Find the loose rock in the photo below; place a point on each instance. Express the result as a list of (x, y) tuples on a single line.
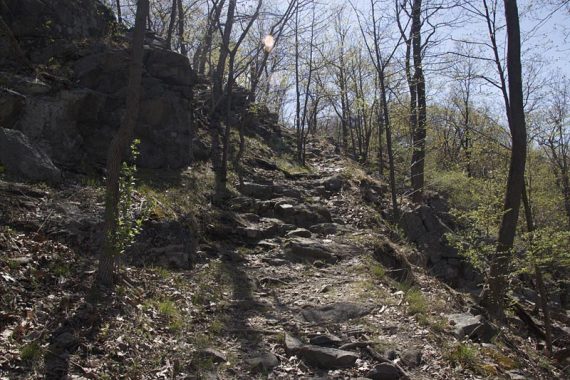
[(338, 312), (327, 358), (305, 249), (385, 371)]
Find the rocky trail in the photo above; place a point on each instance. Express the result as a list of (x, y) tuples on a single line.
[(309, 296), (298, 275)]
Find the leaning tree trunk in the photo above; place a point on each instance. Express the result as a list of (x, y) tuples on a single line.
[(119, 145), (499, 268)]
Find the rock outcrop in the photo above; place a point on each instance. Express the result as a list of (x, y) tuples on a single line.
[(426, 226), (22, 159)]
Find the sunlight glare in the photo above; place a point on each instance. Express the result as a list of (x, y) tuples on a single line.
[(268, 43)]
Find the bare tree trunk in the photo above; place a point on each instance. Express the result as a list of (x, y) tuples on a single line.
[(419, 133), (171, 24), (380, 151), (222, 174), (541, 287), (205, 48), (275, 31), (393, 193), (183, 50), (499, 269), (119, 17), (119, 145), (303, 134), (297, 86)]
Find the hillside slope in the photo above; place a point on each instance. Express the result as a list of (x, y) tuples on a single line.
[(297, 266)]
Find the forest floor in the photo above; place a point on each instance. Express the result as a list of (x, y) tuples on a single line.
[(287, 284)]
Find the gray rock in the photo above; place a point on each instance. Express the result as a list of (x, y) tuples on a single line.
[(324, 228), (263, 363), (212, 354), (411, 358), (472, 326), (21, 158), (292, 345), (337, 312), (200, 150), (288, 192), (257, 190), (304, 249), (333, 184), (11, 105), (169, 66), (385, 371), (264, 164), (327, 358), (390, 257), (275, 261), (71, 21), (66, 341), (302, 215), (173, 256), (516, 375), (299, 232), (325, 340), (265, 228)]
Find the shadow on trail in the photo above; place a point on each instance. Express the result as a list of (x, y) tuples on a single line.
[(74, 332), (251, 338)]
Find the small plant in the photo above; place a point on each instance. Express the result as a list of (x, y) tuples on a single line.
[(462, 354), (31, 353), (217, 326), (163, 272), (168, 308), (378, 271), (416, 302), (129, 221)]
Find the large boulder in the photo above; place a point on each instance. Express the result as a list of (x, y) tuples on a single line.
[(474, 327), (54, 29), (426, 226), (75, 125), (21, 158)]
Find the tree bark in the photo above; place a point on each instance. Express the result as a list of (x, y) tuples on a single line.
[(419, 133), (172, 23), (183, 50), (540, 286), (119, 17), (119, 145), (499, 269)]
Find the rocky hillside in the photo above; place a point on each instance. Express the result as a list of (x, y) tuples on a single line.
[(299, 275)]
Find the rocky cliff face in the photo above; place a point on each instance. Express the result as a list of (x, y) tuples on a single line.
[(72, 105)]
